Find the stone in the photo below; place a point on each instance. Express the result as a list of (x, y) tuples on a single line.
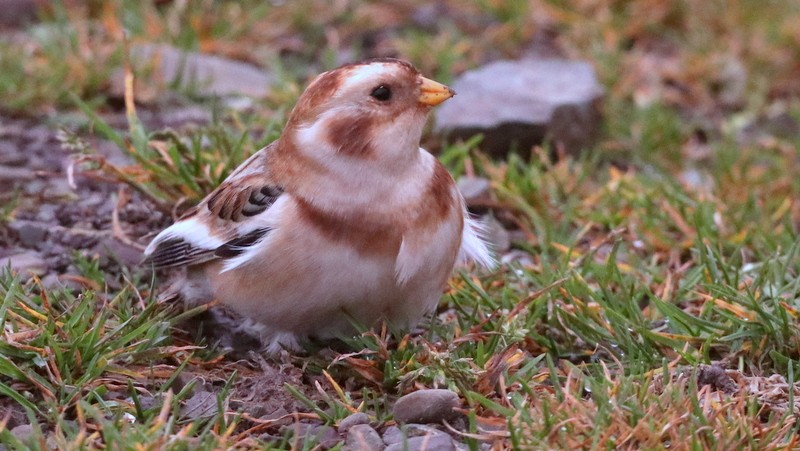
[(202, 404), (119, 251), (776, 123), (476, 191), (433, 442), (520, 104), (426, 406), (18, 13), (361, 437), (199, 383), (206, 75), (22, 432), (16, 174), (25, 264), (47, 213), (498, 237), (29, 233), (429, 16), (147, 402), (394, 434), (353, 420), (279, 416), (318, 434), (11, 155)]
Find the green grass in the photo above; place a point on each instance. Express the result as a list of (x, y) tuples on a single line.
[(175, 169), (672, 245), (64, 352)]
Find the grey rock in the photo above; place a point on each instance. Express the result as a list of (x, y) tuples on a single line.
[(437, 442), (394, 434), (22, 432), (15, 173), (147, 402), (198, 383), (426, 406), (18, 13), (477, 191), (209, 75), (178, 117), (498, 237), (112, 153), (59, 188), (523, 103), (33, 187), (29, 233), (777, 123), (11, 155), (51, 282), (353, 420), (64, 281), (25, 264), (202, 404), (429, 16), (362, 437), (278, 415), (12, 129), (324, 436), (327, 436), (46, 213), (517, 256), (120, 251)]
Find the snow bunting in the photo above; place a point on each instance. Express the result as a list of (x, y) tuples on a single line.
[(343, 220)]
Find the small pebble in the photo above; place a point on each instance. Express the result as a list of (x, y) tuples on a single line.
[(362, 437), (22, 432), (394, 434), (202, 404), (30, 233), (318, 434), (475, 190), (433, 442), (26, 263), (426, 406), (352, 420)]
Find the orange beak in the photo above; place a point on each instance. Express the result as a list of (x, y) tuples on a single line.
[(432, 93)]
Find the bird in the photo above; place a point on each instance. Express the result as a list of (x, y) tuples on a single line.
[(343, 221)]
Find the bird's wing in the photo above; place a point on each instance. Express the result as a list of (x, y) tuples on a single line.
[(234, 217)]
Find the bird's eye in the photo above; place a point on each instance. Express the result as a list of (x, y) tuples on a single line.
[(382, 93)]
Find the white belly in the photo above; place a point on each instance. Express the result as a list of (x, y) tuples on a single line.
[(313, 287)]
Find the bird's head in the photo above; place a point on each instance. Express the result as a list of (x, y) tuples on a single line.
[(373, 110)]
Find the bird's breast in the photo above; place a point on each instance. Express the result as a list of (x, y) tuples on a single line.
[(367, 235)]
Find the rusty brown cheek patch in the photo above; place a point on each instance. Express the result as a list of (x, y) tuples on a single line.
[(368, 239), (352, 135)]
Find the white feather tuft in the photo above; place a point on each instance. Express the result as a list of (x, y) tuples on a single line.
[(474, 246), (191, 230), (247, 255)]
